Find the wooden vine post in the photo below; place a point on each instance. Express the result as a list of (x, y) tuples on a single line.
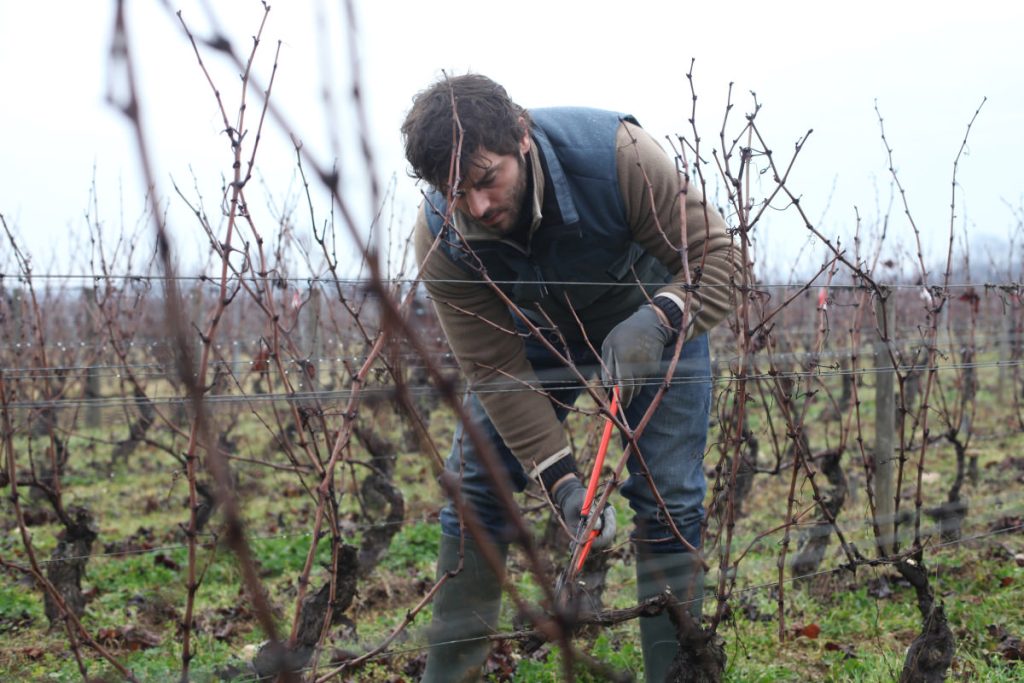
[(885, 424)]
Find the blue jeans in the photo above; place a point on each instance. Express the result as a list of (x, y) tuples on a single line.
[(672, 446)]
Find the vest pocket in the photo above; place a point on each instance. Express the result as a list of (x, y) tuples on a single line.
[(622, 267), (589, 270)]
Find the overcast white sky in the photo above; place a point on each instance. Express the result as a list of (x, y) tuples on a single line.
[(813, 65)]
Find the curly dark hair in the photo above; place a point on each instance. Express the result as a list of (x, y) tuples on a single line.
[(489, 120)]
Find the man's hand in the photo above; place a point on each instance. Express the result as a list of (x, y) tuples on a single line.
[(632, 352), (568, 496)]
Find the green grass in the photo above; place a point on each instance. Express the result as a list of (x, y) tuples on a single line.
[(614, 647), (415, 546), (862, 637)]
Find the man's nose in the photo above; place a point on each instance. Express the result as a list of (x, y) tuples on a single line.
[(477, 203)]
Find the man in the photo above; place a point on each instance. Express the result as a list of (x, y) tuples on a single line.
[(567, 222)]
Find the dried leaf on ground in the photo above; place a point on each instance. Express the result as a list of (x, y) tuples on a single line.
[(849, 652), (1011, 649), (811, 631)]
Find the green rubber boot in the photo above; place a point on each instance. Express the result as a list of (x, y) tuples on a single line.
[(465, 611), (681, 573)]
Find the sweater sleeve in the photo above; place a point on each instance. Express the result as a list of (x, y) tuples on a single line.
[(481, 333), (651, 189)]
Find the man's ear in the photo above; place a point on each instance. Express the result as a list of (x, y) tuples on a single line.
[(524, 143)]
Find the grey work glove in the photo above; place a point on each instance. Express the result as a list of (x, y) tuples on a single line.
[(568, 496), (632, 353)]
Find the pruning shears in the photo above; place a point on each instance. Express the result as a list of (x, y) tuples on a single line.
[(583, 549), (595, 475)]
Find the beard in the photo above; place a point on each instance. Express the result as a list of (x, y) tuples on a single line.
[(505, 217)]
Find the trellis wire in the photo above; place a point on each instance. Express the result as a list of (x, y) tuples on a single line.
[(501, 388)]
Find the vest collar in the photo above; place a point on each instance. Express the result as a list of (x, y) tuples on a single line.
[(556, 176)]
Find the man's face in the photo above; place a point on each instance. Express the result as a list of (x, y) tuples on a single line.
[(494, 187)]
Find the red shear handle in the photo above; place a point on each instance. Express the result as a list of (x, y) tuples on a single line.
[(595, 476)]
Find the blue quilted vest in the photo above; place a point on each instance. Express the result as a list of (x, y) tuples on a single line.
[(589, 264)]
